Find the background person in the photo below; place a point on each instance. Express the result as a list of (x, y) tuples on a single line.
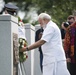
[(10, 9), (22, 43), (38, 36), (70, 47), (65, 25), (70, 20)]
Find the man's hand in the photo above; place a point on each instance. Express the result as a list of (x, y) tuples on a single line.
[(68, 60), (23, 49)]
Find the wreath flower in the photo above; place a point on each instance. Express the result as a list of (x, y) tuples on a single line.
[(22, 55), (22, 42)]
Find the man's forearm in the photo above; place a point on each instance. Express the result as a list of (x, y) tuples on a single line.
[(36, 44)]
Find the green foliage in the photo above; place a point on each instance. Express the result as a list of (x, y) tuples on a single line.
[(58, 9), (35, 23)]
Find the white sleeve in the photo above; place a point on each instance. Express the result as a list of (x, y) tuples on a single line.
[(21, 33), (48, 34)]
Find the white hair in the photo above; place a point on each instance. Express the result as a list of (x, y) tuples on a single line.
[(44, 16)]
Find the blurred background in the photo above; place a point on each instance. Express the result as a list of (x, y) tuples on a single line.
[(29, 9)]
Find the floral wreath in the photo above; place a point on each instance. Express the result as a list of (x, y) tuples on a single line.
[(22, 55), (22, 43)]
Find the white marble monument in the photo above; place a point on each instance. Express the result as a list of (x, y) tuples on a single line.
[(8, 39)]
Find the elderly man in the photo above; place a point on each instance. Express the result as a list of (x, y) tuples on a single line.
[(54, 61)]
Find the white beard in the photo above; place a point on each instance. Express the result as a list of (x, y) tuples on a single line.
[(44, 26)]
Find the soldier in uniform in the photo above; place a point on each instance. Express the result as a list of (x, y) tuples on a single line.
[(10, 9)]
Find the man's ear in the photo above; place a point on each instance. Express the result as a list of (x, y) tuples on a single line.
[(44, 19)]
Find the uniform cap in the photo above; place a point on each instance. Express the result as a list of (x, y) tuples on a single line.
[(10, 6)]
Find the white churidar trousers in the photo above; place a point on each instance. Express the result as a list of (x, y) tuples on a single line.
[(56, 68)]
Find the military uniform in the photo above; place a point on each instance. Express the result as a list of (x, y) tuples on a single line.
[(11, 9)]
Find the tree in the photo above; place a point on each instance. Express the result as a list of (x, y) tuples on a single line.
[(58, 9)]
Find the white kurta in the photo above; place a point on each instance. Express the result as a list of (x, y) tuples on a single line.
[(21, 32), (53, 51)]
